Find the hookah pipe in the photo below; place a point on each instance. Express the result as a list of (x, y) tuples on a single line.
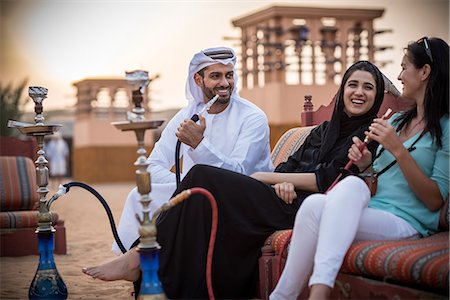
[(194, 118), (347, 167), (63, 189)]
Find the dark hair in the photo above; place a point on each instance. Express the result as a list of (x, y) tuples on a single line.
[(437, 90), (363, 65), (202, 72)]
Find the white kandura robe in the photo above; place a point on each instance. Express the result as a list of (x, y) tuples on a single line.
[(236, 139)]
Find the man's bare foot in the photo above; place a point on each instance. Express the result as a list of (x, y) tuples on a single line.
[(125, 267)]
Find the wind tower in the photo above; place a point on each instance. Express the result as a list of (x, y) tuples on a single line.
[(288, 52)]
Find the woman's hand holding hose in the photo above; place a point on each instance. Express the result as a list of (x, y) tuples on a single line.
[(383, 132), (361, 158), (358, 152)]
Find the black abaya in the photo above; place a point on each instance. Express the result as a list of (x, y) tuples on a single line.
[(249, 211)]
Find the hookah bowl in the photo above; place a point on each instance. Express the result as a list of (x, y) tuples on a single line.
[(47, 283), (148, 248)]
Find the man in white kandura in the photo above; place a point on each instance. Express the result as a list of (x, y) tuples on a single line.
[(233, 134)]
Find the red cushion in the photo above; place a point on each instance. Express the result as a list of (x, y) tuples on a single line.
[(18, 189)]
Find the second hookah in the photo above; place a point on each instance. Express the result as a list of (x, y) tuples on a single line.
[(148, 247)]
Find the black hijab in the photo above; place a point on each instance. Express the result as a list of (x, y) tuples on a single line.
[(325, 149), (342, 125)]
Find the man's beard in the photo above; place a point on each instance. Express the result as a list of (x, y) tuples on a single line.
[(209, 94)]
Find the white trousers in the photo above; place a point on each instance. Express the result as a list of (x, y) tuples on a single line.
[(324, 229)]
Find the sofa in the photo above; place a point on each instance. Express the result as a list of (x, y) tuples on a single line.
[(408, 269), (19, 204)]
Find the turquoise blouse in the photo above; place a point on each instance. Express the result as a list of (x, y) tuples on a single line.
[(393, 193)]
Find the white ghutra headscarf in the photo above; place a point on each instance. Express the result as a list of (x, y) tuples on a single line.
[(203, 59)]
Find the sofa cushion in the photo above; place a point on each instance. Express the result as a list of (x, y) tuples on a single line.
[(18, 189), (22, 219), (289, 142), (420, 262), (423, 262)]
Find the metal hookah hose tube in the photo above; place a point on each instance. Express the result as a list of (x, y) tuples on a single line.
[(67, 187), (194, 118)]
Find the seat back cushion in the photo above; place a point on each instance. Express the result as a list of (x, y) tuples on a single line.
[(11, 220), (289, 142), (18, 188)]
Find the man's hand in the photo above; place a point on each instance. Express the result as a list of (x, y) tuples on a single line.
[(191, 133), (285, 191)]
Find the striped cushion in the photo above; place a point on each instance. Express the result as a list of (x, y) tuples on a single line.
[(289, 142), (18, 189), (22, 219), (422, 262)]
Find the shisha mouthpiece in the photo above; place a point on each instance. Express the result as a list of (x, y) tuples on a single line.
[(208, 105), (386, 116)]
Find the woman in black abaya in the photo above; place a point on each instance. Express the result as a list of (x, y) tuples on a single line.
[(250, 209)]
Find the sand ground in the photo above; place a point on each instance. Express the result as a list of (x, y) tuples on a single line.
[(89, 241)]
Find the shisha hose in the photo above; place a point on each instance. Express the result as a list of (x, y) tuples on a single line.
[(214, 218), (66, 187), (361, 147), (177, 155), (194, 118)]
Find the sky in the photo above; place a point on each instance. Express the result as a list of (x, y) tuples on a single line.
[(54, 43)]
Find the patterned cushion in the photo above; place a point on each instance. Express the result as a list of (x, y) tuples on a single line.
[(17, 184), (22, 219), (421, 262), (289, 142)]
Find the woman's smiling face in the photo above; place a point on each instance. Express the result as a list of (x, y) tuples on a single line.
[(359, 93)]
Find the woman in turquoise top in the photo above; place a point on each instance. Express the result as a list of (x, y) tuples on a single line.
[(413, 160)]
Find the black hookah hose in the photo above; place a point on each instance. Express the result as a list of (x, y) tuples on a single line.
[(105, 205), (177, 155)]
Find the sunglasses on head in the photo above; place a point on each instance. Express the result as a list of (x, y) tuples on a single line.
[(426, 44)]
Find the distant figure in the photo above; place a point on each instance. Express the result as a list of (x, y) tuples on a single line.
[(57, 153)]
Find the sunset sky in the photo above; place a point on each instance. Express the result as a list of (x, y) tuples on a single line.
[(55, 43)]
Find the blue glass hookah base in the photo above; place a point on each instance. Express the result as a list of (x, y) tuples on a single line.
[(149, 259), (47, 283)]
